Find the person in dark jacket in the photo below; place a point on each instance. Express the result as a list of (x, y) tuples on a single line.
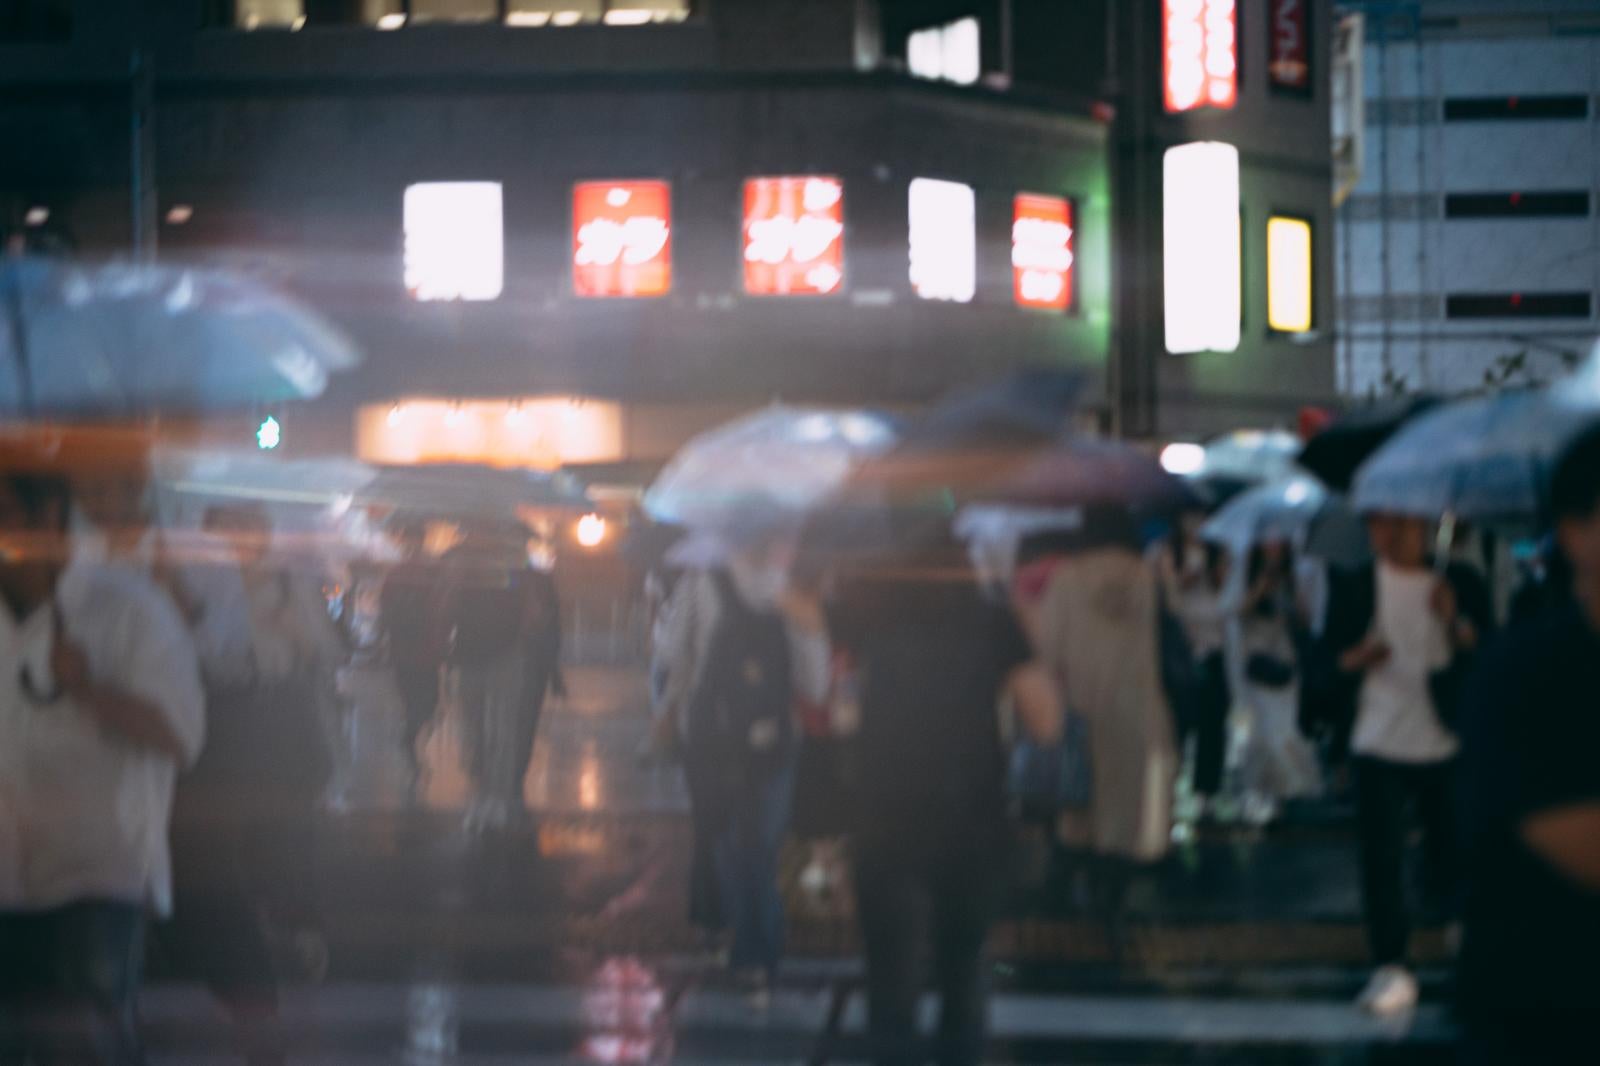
[(935, 655), (1399, 637), (1529, 984), (409, 614)]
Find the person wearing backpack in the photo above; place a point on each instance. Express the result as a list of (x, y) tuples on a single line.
[(740, 663)]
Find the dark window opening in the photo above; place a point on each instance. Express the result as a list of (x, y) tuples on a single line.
[(1478, 108), (35, 21), (1517, 205), (1518, 305)]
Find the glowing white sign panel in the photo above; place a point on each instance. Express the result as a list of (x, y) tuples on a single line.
[(1200, 247), (454, 241), (944, 242), (952, 52)]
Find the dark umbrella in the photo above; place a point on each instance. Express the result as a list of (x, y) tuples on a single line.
[(908, 496), (1335, 453), (1095, 473)]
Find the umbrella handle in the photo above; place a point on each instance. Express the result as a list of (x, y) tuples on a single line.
[(1444, 542)]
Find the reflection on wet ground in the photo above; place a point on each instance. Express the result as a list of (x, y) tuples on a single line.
[(563, 937)]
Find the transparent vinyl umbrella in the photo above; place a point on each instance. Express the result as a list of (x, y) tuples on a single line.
[(128, 339)]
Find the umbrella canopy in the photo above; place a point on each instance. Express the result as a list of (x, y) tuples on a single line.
[(1025, 407), (469, 491), (764, 471), (1245, 457), (1338, 451), (1298, 510), (127, 339), (1095, 473), (1485, 459)]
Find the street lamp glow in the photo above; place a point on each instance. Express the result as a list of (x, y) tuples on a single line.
[(1183, 458), (591, 531), (1200, 247)]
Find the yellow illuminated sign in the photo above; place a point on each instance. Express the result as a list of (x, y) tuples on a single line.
[(1289, 275)]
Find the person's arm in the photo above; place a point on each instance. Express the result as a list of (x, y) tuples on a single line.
[(1037, 700), (158, 703), (1568, 838)]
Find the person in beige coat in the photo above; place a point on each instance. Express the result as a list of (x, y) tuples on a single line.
[(1096, 629)]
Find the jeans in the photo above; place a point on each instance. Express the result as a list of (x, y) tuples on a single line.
[(69, 979), (1385, 792), (963, 890), (744, 852)]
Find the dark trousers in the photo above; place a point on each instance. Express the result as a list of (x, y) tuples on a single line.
[(1208, 723), (1385, 794), (960, 892), (419, 695), (744, 853), (69, 980)]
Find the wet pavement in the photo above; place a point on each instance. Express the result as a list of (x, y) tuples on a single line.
[(564, 936)]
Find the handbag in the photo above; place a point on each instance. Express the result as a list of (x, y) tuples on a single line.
[(1268, 670), (1047, 781)]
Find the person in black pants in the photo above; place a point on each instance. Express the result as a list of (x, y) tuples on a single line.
[(1399, 637), (928, 820), (409, 614)]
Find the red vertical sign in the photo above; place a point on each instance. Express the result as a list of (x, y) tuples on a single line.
[(1042, 251), (1200, 62), (622, 238), (1290, 67), (793, 236)]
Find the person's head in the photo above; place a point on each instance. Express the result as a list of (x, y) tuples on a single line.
[(114, 498), (34, 509), (1575, 506), (246, 528), (1399, 540)]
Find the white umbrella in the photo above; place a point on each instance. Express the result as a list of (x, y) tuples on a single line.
[(1251, 456), (764, 471)]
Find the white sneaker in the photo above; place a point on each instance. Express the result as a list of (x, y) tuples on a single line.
[(1392, 991)]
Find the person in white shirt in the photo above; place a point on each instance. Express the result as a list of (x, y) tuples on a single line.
[(1401, 633), (100, 707)]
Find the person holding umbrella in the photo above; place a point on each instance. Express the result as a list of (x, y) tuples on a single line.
[(1399, 636)]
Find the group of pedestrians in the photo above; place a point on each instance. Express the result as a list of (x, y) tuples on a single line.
[(163, 745), (1389, 676)]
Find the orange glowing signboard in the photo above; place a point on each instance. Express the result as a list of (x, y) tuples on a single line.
[(622, 238), (793, 236), (1042, 251), (1199, 45)]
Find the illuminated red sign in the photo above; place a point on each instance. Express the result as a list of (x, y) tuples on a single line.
[(793, 236), (1041, 251), (622, 238), (1200, 53), (1291, 46)]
